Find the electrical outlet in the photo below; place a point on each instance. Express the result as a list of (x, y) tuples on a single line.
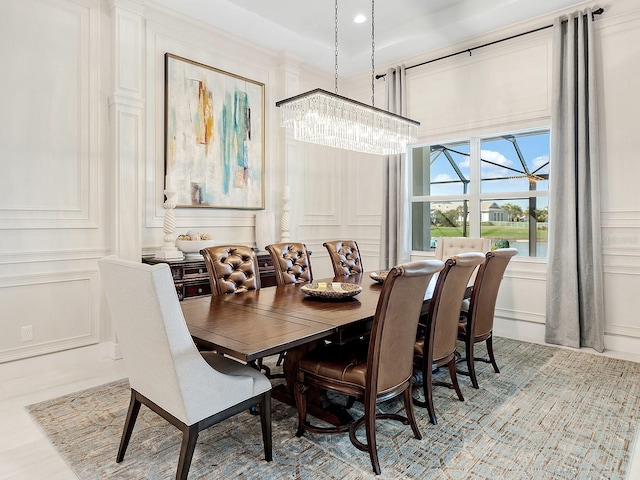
[(27, 333)]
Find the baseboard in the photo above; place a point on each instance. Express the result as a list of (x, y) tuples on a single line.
[(112, 350), (615, 345)]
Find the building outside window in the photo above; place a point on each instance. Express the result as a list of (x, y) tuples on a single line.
[(495, 187)]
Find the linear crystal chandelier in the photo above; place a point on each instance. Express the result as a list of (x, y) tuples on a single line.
[(325, 118)]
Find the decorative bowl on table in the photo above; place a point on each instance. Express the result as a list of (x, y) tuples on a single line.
[(379, 276), (191, 244), (331, 290)]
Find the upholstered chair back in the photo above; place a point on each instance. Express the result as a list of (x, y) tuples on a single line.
[(161, 359), (447, 247), (345, 257), (485, 290), (232, 268), (291, 262), (395, 323), (444, 309)]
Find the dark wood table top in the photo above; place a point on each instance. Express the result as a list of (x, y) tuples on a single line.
[(271, 320)]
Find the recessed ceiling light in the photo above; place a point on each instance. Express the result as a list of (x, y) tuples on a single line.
[(360, 19)]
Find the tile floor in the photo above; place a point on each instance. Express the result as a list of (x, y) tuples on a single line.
[(25, 454)]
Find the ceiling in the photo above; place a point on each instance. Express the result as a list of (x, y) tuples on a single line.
[(403, 28)]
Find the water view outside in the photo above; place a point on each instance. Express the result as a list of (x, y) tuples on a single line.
[(508, 200)]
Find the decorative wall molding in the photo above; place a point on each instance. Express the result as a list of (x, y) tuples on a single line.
[(522, 100), (520, 315), (77, 293), (611, 268), (17, 258), (67, 138), (620, 218), (622, 330)]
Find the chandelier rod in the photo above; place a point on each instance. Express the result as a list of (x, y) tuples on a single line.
[(373, 54), (336, 54)]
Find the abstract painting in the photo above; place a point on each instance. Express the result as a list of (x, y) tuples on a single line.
[(214, 136)]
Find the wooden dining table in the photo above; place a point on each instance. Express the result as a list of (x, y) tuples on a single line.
[(259, 323)]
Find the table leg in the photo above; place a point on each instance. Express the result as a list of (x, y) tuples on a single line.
[(318, 404)]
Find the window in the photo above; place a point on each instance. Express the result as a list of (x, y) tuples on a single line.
[(495, 187)]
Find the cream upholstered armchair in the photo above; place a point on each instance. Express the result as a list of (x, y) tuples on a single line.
[(447, 247), (192, 391), (345, 257)]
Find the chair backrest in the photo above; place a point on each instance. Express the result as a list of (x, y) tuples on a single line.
[(291, 262), (161, 359), (393, 334), (345, 257), (485, 290), (232, 268), (447, 247), (444, 309)]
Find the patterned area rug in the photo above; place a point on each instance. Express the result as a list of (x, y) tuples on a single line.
[(550, 414)]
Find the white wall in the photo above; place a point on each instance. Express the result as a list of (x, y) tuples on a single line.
[(81, 150), (53, 220), (508, 87)]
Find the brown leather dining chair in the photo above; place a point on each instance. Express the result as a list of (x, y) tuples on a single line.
[(373, 371), (291, 262), (232, 268), (437, 347), (345, 257), (476, 324)]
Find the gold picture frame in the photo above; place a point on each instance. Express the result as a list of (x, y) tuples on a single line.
[(214, 136)]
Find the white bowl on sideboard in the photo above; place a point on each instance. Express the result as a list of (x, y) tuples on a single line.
[(191, 248)]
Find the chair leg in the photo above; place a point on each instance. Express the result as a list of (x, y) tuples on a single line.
[(408, 407), (454, 378), (189, 439), (372, 446), (132, 415), (491, 356), (265, 421), (471, 364), (300, 391), (427, 387)]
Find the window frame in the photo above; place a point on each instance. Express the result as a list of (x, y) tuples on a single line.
[(474, 196)]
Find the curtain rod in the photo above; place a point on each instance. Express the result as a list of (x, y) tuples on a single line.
[(599, 11)]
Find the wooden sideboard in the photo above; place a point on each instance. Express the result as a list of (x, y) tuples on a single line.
[(192, 279)]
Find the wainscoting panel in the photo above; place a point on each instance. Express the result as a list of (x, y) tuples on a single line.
[(317, 199), (499, 86), (49, 121), (61, 310), (363, 189), (620, 44)]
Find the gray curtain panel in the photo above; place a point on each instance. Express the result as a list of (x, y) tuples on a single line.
[(394, 228), (575, 307)]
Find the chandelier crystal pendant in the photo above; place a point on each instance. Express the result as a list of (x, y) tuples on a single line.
[(329, 119)]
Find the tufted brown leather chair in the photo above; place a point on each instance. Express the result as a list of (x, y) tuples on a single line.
[(345, 257), (377, 370), (437, 347), (232, 268), (291, 262), (476, 324)]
